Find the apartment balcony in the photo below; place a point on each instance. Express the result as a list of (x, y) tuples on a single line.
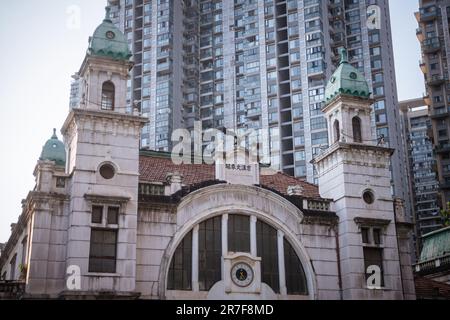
[(420, 35), (431, 45), (443, 148), (438, 114), (423, 67), (427, 14), (444, 185), (253, 113), (437, 80)]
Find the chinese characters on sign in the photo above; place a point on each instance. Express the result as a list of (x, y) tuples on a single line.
[(239, 167)]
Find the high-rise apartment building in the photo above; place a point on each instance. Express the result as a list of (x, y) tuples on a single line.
[(422, 163), (258, 64), (434, 34)]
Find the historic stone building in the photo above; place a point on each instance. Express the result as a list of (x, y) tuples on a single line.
[(108, 220)]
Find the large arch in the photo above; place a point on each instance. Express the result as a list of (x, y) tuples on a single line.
[(265, 205)]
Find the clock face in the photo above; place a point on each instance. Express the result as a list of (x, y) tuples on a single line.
[(110, 35), (242, 274)]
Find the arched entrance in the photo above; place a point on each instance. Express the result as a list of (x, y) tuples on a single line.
[(238, 253)]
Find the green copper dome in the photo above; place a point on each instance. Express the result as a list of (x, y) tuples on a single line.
[(109, 41), (54, 150), (346, 80)]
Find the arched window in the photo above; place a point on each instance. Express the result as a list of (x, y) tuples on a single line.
[(238, 240), (337, 131), (108, 93), (356, 124)]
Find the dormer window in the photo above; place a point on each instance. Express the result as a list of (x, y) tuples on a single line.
[(108, 93)]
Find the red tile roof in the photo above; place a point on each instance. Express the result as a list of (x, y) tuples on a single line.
[(155, 166)]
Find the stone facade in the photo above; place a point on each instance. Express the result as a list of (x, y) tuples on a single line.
[(116, 222)]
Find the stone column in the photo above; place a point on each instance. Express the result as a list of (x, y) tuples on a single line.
[(253, 236), (281, 269), (224, 240), (195, 286)]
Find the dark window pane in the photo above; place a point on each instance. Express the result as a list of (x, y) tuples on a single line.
[(356, 123), (180, 271), (377, 236), (295, 275), (373, 256), (365, 235), (238, 233), (102, 253), (267, 250), (210, 253), (107, 171), (97, 213), (113, 215)]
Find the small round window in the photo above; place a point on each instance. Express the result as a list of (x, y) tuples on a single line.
[(353, 75), (368, 197), (107, 171)]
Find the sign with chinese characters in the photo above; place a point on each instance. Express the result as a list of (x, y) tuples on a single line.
[(237, 168)]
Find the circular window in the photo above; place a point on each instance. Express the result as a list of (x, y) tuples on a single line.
[(353, 75), (107, 171), (110, 35), (368, 197), (333, 80)]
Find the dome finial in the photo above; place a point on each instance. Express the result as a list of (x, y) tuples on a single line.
[(344, 55), (107, 14), (54, 134)]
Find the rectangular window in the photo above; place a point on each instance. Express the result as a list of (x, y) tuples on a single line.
[(102, 253), (376, 236), (180, 272), (97, 214), (373, 256), (266, 243), (365, 235), (210, 253), (24, 250), (12, 266), (113, 215), (238, 233)]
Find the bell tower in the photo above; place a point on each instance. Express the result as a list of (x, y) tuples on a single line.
[(102, 138), (354, 172)]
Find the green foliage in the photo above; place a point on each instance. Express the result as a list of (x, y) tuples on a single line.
[(445, 213)]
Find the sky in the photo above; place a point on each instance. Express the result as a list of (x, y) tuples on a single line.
[(44, 43)]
